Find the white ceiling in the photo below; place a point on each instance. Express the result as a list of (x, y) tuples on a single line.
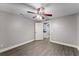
[(57, 9)]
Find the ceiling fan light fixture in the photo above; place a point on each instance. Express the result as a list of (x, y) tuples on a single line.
[(39, 17), (40, 14)]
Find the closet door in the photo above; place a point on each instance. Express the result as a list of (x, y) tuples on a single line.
[(39, 31)]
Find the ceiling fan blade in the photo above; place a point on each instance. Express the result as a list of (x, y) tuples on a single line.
[(48, 14), (31, 12)]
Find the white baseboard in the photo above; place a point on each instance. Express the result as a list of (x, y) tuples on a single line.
[(9, 48), (74, 46)]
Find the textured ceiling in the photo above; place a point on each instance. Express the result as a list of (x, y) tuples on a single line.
[(57, 9)]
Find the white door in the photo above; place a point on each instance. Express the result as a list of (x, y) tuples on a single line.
[(39, 31)]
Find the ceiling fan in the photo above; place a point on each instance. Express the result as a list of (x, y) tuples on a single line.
[(40, 13)]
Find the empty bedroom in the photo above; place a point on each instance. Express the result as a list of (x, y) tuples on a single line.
[(39, 29)]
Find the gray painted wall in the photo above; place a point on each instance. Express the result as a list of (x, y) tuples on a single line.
[(78, 29), (64, 29), (15, 29)]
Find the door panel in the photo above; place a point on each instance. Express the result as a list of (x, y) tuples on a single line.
[(39, 31)]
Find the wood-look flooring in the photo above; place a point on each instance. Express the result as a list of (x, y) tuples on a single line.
[(42, 48)]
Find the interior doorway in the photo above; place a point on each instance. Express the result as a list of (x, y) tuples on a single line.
[(42, 31), (46, 30)]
